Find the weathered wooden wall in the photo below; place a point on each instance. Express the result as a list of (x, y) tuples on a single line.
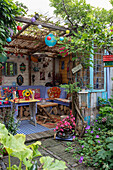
[(64, 71)]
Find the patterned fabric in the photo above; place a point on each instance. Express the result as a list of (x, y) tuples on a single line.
[(20, 94), (54, 92), (37, 93)]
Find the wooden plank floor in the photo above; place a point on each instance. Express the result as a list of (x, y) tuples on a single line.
[(40, 135)]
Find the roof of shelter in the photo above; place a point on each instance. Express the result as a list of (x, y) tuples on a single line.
[(30, 40)]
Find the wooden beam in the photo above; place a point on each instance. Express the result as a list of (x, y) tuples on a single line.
[(28, 21)]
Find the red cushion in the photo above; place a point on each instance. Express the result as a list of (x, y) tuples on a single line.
[(20, 94), (37, 93), (54, 92)]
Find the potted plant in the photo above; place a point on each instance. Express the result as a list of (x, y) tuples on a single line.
[(66, 127)]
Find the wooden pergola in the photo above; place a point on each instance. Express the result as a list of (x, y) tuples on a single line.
[(30, 40)]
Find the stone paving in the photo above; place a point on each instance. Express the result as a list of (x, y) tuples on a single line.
[(56, 149)]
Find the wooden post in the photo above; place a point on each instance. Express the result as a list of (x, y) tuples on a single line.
[(29, 69), (53, 71)]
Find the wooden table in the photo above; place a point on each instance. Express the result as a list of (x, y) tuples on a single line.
[(32, 107), (45, 114)]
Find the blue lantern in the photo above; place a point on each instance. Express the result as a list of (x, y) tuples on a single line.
[(61, 38), (51, 42), (8, 39), (3, 58)]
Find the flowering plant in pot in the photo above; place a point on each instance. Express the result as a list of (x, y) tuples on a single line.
[(66, 127)]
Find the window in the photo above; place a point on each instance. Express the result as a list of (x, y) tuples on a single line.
[(10, 69), (98, 70)]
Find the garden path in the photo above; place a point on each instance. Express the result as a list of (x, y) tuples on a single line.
[(53, 148)]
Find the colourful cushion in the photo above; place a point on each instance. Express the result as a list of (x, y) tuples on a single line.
[(54, 92), (37, 93), (20, 94)]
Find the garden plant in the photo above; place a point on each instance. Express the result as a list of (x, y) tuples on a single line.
[(15, 147), (96, 146)]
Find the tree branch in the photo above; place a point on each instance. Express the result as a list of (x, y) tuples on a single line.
[(67, 13)]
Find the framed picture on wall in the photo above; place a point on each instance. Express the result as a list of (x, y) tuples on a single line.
[(42, 75)]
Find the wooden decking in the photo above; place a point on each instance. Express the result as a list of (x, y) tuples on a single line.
[(40, 135)]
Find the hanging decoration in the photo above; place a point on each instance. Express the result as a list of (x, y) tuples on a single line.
[(42, 75), (8, 39), (51, 42), (63, 51), (20, 80), (22, 67), (39, 26), (11, 32), (67, 31), (3, 58), (33, 19), (19, 27), (61, 38)]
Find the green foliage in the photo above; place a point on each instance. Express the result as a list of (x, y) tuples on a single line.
[(70, 88), (96, 147), (15, 146), (10, 123), (88, 26), (8, 11)]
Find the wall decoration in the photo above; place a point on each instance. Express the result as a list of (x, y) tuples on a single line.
[(42, 75), (22, 67), (33, 78), (49, 74), (20, 80), (62, 65), (39, 59)]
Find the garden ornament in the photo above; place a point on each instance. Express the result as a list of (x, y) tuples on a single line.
[(8, 39), (19, 27), (51, 42)]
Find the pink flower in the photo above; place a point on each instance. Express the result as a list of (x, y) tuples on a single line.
[(54, 130), (61, 130), (56, 127), (70, 127), (67, 117)]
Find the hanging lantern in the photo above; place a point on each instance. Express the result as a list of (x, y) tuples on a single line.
[(48, 38), (61, 38), (33, 19), (8, 39), (51, 42), (39, 26), (67, 31), (22, 67), (3, 58), (11, 32), (19, 27)]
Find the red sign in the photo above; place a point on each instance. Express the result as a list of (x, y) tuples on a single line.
[(108, 58)]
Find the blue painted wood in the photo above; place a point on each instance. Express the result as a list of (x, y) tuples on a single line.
[(104, 95), (91, 72), (108, 81), (62, 103), (89, 100)]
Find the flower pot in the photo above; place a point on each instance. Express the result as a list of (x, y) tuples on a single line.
[(67, 133)]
